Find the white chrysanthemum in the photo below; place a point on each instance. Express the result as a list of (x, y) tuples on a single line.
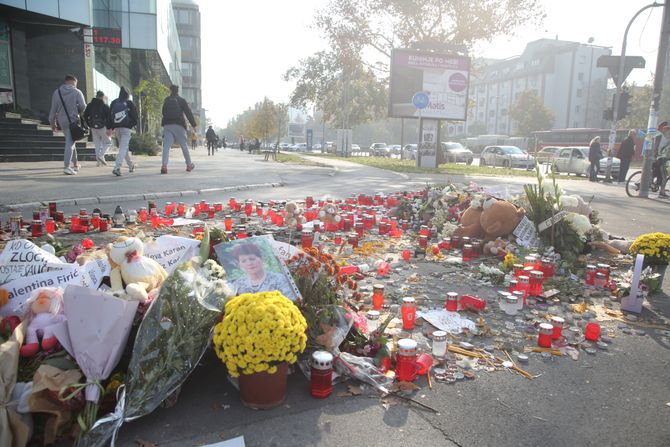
[(579, 223)]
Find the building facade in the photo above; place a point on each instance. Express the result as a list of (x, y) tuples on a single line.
[(563, 74), (105, 43), (187, 17)]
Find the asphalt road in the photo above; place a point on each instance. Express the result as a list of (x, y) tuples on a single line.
[(619, 397)]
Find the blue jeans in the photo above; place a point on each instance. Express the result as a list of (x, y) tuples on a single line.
[(70, 153)]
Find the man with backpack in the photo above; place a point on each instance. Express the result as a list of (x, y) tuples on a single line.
[(123, 118), (97, 115), (211, 137), (174, 127), (67, 102)]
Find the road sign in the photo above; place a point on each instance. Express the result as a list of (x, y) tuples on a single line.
[(420, 100), (612, 64)]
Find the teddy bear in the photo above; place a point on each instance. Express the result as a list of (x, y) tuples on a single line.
[(139, 273), (328, 214), (293, 214), (44, 309), (489, 220), (470, 222)]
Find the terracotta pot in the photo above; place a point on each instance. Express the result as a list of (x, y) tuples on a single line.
[(262, 391)]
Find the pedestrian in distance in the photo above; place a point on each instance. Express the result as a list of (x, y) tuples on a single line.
[(67, 102), (194, 139), (242, 143), (662, 150), (211, 138), (626, 152), (97, 115), (174, 127), (123, 118), (594, 157), (224, 144)]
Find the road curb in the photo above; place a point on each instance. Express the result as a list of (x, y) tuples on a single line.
[(29, 206)]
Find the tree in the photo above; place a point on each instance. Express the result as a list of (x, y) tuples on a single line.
[(152, 93), (530, 114)]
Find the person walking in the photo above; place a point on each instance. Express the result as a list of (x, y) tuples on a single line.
[(662, 149), (97, 115), (67, 102), (123, 118), (210, 135), (594, 157), (242, 143), (194, 139), (224, 144), (174, 127), (626, 152)]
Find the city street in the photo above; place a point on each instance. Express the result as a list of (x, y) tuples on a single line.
[(619, 397)]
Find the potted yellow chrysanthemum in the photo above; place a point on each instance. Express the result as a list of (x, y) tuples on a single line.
[(654, 246), (259, 336)]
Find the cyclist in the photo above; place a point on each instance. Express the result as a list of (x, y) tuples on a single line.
[(662, 150)]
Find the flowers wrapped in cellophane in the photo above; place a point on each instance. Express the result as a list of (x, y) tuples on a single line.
[(170, 341)]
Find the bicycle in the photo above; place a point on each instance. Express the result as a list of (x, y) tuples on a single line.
[(635, 179)]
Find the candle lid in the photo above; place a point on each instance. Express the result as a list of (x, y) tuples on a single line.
[(372, 315), (322, 360), (546, 327), (439, 336), (378, 286), (408, 300), (406, 344), (603, 266), (590, 267), (536, 274), (511, 299), (523, 279)]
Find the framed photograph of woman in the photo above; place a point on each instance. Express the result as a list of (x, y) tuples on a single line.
[(252, 267)]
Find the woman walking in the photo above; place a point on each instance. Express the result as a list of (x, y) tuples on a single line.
[(594, 157)]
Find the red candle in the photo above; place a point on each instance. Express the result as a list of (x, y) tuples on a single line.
[(360, 228), (50, 225), (605, 270), (52, 209), (456, 242), (535, 283), (74, 220), (590, 275), (423, 241), (95, 221), (36, 228), (406, 254), (337, 240), (548, 268), (408, 311), (524, 286), (445, 244), (210, 212), (451, 303), (545, 335), (143, 215), (248, 208), (228, 222), (424, 231), (104, 224), (218, 207), (306, 239), (513, 285), (405, 369), (467, 252), (168, 208), (377, 296), (353, 240), (557, 323), (60, 216), (232, 203), (309, 201), (321, 374)]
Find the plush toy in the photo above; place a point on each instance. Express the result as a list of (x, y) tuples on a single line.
[(130, 266), (499, 218), (44, 309), (470, 223), (293, 214), (328, 214)]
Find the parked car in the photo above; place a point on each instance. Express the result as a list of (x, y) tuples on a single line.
[(506, 156), (355, 148), (547, 154), (379, 150), (409, 152), (457, 153), (394, 149), (575, 160), (300, 147), (316, 147), (285, 147)]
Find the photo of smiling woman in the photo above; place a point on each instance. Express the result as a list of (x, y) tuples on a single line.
[(257, 277)]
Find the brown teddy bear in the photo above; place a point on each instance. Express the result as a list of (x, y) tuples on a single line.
[(470, 224), (499, 218)]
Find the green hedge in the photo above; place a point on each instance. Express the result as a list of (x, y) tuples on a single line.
[(144, 144)]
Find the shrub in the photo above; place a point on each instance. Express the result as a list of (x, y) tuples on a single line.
[(144, 144)]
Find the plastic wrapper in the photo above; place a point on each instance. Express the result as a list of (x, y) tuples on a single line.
[(363, 369), (170, 341), (13, 431)]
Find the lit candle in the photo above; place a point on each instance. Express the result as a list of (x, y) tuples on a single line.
[(321, 374), (408, 311), (405, 369), (439, 344), (545, 335), (373, 320)]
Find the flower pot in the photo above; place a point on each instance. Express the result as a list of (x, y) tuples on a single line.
[(261, 391)]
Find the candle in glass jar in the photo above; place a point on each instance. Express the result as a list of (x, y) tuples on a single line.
[(36, 228), (406, 370), (306, 239), (513, 285), (446, 243), (423, 241), (439, 344), (83, 220), (60, 216), (321, 374), (168, 208), (104, 224), (248, 207), (408, 312), (557, 323), (511, 305), (535, 283), (600, 280), (521, 300), (373, 320), (180, 209), (524, 286), (359, 227), (547, 268), (406, 254), (338, 239), (467, 252), (210, 212), (95, 220), (52, 209), (529, 261), (228, 222), (451, 303), (143, 215), (352, 240), (232, 203), (544, 335), (605, 270), (377, 296), (424, 231), (50, 225), (477, 250), (590, 275)]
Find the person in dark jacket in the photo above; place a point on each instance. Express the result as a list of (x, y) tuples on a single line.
[(97, 115), (210, 135), (174, 127), (123, 117), (594, 157), (626, 154)]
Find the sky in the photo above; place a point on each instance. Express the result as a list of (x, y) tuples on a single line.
[(248, 45)]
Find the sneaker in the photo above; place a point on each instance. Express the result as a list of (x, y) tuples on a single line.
[(117, 172), (163, 169), (101, 161), (132, 167), (76, 167), (190, 167), (69, 171)]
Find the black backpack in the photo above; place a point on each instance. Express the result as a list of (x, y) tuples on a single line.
[(172, 110), (97, 120), (120, 114)]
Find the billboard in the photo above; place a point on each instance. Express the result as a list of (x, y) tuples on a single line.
[(296, 130), (444, 77)]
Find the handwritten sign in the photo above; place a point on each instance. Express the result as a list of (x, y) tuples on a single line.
[(633, 302), (525, 233), (169, 250), (21, 288), (94, 271), (553, 220), (23, 258)]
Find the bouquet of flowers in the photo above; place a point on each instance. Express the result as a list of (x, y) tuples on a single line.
[(654, 246), (259, 331)]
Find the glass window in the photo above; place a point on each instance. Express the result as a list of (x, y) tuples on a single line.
[(582, 59), (146, 6), (580, 76), (186, 43), (579, 93), (183, 16), (187, 69), (578, 109)]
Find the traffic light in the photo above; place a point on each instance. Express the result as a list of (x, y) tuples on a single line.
[(622, 111)]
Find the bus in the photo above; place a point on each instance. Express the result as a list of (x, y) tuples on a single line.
[(477, 144), (580, 137)]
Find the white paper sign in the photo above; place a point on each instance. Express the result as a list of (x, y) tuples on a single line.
[(552, 221), (169, 250), (633, 303), (282, 250), (451, 322), (525, 233), (23, 258), (93, 272), (21, 288)]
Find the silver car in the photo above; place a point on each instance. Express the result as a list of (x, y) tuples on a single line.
[(506, 156), (457, 153), (575, 160)]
